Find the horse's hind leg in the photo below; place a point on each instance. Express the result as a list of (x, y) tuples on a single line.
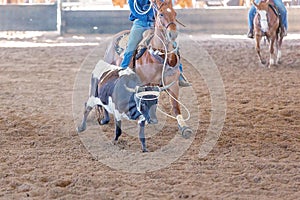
[(118, 130)]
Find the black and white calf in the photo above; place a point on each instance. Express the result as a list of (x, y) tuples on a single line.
[(120, 93)]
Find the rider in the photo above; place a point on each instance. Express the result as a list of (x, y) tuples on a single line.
[(283, 17), (142, 15)]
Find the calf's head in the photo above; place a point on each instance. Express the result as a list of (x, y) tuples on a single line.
[(146, 98)]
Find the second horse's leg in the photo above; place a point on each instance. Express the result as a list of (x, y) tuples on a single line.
[(257, 47), (272, 55), (279, 43)]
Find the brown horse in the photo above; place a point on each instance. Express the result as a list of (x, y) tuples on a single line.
[(266, 23), (159, 65)]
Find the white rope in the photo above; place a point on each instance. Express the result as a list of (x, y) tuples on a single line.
[(163, 83), (141, 95), (140, 11)]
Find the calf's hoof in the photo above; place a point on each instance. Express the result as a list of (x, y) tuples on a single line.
[(269, 66), (81, 128)]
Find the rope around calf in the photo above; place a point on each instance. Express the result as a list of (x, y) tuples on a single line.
[(163, 83)]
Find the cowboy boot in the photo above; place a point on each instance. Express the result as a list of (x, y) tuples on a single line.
[(183, 82), (250, 34), (284, 31)]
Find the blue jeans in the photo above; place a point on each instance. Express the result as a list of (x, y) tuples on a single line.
[(281, 8), (136, 35)]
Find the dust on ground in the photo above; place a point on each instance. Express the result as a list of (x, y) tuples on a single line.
[(257, 154)]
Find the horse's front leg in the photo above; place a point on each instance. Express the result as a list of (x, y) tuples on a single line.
[(272, 55), (279, 43), (257, 48), (185, 130)]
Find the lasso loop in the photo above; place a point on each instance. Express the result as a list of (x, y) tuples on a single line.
[(163, 83), (142, 12), (139, 10)]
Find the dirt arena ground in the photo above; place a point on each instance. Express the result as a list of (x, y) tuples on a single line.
[(257, 155)]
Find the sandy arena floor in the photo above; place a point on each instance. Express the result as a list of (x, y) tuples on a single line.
[(257, 155)]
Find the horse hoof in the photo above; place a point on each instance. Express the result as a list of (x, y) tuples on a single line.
[(115, 142), (144, 150), (186, 132)]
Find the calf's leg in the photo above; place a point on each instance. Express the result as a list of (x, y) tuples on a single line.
[(118, 130), (257, 48), (142, 136), (82, 126), (92, 101)]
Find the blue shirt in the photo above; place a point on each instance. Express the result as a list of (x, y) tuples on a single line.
[(140, 7)]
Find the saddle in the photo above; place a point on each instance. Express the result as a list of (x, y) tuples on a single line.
[(122, 40)]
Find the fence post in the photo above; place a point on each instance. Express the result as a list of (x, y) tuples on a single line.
[(59, 17)]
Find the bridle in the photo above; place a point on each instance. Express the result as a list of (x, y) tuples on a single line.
[(265, 20), (158, 53), (166, 26)]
